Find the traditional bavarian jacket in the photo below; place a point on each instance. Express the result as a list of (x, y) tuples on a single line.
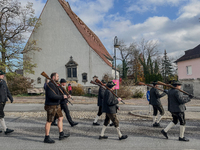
[(100, 96), (110, 102), (155, 97), (176, 101), (4, 92)]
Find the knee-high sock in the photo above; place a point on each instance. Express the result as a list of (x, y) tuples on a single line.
[(159, 118), (170, 125), (96, 119), (103, 130), (154, 119), (119, 132), (3, 124), (182, 130)]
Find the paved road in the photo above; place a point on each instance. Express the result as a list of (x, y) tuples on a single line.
[(78, 107), (29, 134)]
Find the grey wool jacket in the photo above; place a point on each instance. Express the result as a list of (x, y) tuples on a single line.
[(4, 92), (100, 96), (176, 101), (155, 97), (110, 102)]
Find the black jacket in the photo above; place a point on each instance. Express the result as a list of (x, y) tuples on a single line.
[(155, 97), (65, 100), (4, 92), (110, 102), (51, 97), (176, 101), (100, 96)]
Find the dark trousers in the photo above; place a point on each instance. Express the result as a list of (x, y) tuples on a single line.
[(65, 108), (157, 108), (113, 118), (100, 111), (178, 116), (2, 105)]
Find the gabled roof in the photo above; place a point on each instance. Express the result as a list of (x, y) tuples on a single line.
[(90, 37), (190, 54)]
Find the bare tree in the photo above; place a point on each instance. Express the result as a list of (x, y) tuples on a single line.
[(15, 22)]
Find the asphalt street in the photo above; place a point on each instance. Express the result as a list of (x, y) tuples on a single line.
[(29, 135)]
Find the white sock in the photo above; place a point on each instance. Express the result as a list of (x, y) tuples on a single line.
[(182, 130), (103, 130), (159, 118), (170, 125), (119, 132), (96, 119), (3, 124), (154, 119)]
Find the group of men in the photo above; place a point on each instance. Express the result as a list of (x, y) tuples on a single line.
[(56, 100), (176, 106)]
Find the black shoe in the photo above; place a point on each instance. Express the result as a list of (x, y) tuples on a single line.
[(47, 139), (96, 124), (156, 124), (164, 133), (0, 131), (183, 139), (102, 137), (54, 124), (62, 135), (8, 131), (112, 124), (74, 124), (123, 137)]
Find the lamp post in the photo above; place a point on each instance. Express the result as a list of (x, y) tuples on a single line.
[(116, 45)]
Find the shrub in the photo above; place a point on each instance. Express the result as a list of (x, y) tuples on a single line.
[(138, 94), (124, 92), (18, 84), (77, 90)]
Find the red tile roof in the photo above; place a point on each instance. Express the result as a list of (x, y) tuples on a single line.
[(190, 54), (90, 37)]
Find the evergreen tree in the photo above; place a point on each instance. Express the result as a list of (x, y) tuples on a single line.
[(166, 69)]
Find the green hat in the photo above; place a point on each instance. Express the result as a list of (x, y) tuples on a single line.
[(176, 83), (110, 84), (103, 81), (1, 72)]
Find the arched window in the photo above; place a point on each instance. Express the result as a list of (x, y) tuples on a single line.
[(38, 80), (72, 70)]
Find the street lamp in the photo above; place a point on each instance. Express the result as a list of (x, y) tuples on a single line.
[(116, 45)]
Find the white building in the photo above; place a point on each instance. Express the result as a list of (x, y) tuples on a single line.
[(68, 46)]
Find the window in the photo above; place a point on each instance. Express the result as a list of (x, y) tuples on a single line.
[(189, 70), (38, 80), (69, 72), (84, 77), (74, 72)]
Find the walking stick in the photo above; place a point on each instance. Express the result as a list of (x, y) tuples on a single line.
[(57, 85), (161, 83), (141, 83), (99, 82)]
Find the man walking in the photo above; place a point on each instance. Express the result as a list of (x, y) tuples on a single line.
[(64, 106), (176, 105), (53, 97), (156, 103), (110, 107), (99, 103), (4, 95)]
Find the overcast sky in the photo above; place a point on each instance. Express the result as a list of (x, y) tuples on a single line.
[(173, 23)]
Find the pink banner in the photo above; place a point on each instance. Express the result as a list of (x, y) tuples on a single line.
[(117, 84)]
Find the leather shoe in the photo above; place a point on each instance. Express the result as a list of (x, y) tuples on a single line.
[(183, 139), (164, 133), (47, 139), (112, 124), (62, 135), (102, 137), (0, 131), (123, 137), (54, 124), (8, 131), (96, 124), (74, 124), (156, 124)]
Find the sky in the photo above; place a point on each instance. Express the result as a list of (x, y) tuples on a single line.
[(173, 24)]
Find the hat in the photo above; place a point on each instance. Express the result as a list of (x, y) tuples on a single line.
[(103, 81), (154, 82), (174, 83), (110, 84), (63, 81), (1, 72)]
